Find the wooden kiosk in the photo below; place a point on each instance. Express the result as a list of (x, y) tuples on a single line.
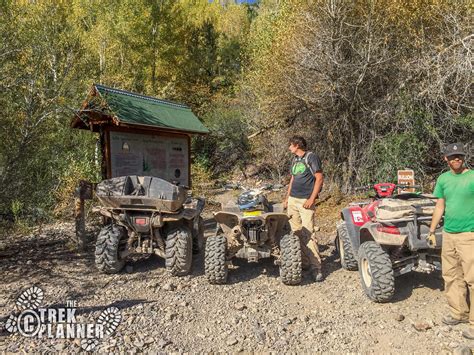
[(139, 135)]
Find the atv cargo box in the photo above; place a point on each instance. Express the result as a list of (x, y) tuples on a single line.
[(141, 193)]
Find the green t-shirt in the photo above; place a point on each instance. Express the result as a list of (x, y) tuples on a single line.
[(457, 190)]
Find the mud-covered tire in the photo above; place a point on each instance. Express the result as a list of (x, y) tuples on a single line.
[(198, 236), (107, 248), (344, 247), (376, 272), (215, 265), (290, 260), (179, 251)]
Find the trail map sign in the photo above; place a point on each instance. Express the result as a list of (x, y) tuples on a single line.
[(406, 177), (166, 157)]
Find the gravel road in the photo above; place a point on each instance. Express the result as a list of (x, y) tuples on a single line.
[(253, 312)]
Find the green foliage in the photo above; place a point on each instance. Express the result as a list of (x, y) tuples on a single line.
[(367, 83), (374, 86), (52, 52), (395, 152), (17, 207), (227, 146)]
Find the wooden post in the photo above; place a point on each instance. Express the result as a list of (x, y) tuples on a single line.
[(80, 222), (83, 192)]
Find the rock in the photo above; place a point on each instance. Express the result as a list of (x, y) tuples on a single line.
[(453, 344), (320, 330), (422, 326), (59, 347), (138, 343), (305, 318), (259, 334), (169, 287), (231, 341), (446, 328), (462, 350), (162, 343), (240, 306), (170, 316), (129, 269), (400, 317), (280, 344)]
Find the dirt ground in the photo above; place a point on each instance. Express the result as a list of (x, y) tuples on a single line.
[(253, 312)]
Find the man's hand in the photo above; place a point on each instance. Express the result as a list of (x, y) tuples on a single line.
[(431, 239), (308, 203)]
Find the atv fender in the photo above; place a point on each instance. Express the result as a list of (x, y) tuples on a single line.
[(227, 220), (277, 225), (352, 230), (369, 232)]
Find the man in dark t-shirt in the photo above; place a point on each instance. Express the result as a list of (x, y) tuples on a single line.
[(305, 185)]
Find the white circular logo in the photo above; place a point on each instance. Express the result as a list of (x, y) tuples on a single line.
[(28, 323)]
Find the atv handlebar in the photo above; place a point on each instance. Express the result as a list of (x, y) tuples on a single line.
[(370, 187), (408, 186)]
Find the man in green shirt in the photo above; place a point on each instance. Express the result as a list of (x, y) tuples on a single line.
[(455, 192)]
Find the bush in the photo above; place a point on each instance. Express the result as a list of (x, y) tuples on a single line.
[(226, 147)]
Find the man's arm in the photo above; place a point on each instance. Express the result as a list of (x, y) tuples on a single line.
[(316, 189), (437, 214), (285, 202)]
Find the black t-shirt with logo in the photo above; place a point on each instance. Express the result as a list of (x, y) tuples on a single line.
[(303, 174)]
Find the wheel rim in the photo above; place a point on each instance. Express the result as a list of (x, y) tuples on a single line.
[(341, 247), (366, 272)]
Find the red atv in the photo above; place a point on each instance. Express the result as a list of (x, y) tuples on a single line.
[(386, 237)]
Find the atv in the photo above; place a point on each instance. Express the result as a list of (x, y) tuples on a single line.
[(251, 228), (147, 215), (386, 237)]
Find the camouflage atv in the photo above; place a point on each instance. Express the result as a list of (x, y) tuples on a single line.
[(252, 229), (147, 215)]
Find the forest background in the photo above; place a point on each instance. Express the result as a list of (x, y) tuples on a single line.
[(374, 85)]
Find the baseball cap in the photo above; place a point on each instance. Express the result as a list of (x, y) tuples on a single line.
[(454, 149)]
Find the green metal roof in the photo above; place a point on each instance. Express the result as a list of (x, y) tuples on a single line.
[(136, 109)]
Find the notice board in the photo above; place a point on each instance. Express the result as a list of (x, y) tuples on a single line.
[(162, 156)]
